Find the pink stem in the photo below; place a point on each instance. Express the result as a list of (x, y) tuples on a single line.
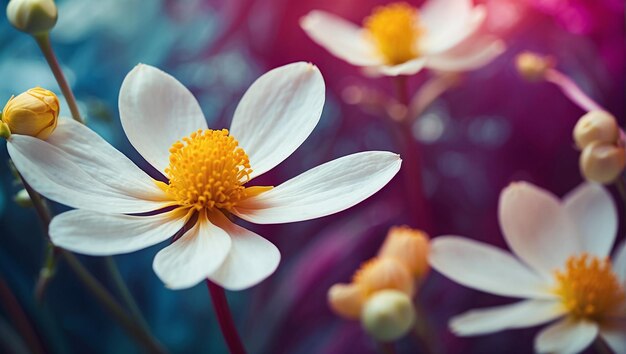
[(572, 91), (225, 318)]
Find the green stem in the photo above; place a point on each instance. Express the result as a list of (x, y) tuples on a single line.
[(123, 291), (423, 332), (387, 347), (141, 334), (47, 272), (43, 40)]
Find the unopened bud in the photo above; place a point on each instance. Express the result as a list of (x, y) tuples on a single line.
[(597, 126), (408, 246), (602, 163), (346, 300), (388, 315), (22, 199), (533, 67), (32, 16), (34, 112), (384, 273)]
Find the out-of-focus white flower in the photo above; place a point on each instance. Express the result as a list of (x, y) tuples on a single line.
[(398, 39), (121, 209), (561, 269)]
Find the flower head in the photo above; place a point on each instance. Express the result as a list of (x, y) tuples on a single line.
[(34, 112), (399, 39), (563, 272), (207, 176), (410, 247)]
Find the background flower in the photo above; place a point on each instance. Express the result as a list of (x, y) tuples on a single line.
[(492, 129)]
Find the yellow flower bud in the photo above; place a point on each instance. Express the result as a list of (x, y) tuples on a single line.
[(384, 273), (346, 300), (408, 246), (388, 315), (598, 126), (602, 163), (533, 67), (32, 16), (34, 112)]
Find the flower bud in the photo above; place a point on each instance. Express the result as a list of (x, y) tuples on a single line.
[(602, 163), (598, 126), (384, 273), (388, 315), (22, 199), (32, 16), (34, 112), (346, 300), (408, 246), (533, 67)]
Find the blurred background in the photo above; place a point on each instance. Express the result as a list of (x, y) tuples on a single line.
[(490, 129)]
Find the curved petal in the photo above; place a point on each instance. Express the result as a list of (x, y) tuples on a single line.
[(468, 55), (103, 162), (486, 268), (251, 259), (341, 38), (51, 172), (615, 335), (277, 113), (98, 234), (536, 227), (566, 336), (619, 262), (519, 315), (593, 211), (193, 257), (447, 23), (323, 190), (156, 110), (407, 68)]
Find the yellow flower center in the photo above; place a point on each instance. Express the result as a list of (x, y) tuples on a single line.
[(208, 170), (395, 29), (589, 288)]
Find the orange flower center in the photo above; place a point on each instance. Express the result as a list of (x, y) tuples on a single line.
[(395, 30), (589, 288)]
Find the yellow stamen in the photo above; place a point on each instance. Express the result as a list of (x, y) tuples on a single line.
[(589, 288), (208, 170), (395, 29)]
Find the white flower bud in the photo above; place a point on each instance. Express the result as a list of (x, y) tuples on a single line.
[(597, 126), (22, 199), (32, 16), (388, 315), (602, 163)]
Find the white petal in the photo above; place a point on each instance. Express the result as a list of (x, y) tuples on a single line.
[(469, 55), (615, 336), (537, 228), (519, 315), (323, 190), (98, 234), (193, 257), (593, 211), (277, 113), (566, 336), (341, 38), (447, 23), (484, 267), (251, 259), (619, 262), (407, 68), (103, 162), (51, 172), (156, 110)]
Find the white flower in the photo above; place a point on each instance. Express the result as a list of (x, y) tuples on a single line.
[(397, 39), (561, 269), (121, 209)]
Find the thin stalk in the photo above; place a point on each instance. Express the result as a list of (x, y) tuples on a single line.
[(123, 291), (225, 318), (387, 347), (20, 319), (601, 347), (572, 91), (47, 272), (141, 335), (43, 40), (422, 330)]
